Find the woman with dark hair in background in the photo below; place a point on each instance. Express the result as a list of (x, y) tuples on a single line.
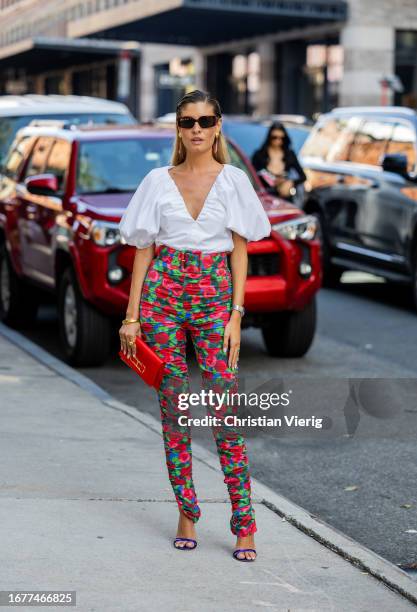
[(277, 164)]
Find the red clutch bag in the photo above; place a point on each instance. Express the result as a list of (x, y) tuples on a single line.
[(146, 363)]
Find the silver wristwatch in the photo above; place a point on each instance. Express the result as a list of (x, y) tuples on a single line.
[(241, 309)]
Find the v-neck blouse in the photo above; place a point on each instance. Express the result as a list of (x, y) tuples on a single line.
[(157, 213)]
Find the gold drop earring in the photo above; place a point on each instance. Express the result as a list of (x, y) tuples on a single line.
[(216, 142)]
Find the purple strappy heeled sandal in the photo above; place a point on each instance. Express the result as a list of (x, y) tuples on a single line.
[(239, 550), (185, 540)]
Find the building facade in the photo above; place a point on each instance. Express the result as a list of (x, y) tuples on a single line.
[(259, 58)]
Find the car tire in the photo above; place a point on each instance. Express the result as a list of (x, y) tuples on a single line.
[(291, 334), (85, 333), (19, 301), (331, 273)]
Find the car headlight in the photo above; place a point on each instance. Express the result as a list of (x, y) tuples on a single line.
[(105, 233), (304, 228)]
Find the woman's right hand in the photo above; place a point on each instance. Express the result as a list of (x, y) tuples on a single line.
[(128, 333)]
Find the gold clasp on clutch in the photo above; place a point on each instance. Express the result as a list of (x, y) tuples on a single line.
[(140, 365)]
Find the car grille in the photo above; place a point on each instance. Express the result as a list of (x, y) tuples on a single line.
[(262, 264)]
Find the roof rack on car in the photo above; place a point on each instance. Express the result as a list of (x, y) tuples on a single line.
[(374, 109), (58, 123)]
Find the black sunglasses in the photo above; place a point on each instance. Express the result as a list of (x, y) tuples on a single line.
[(206, 121)]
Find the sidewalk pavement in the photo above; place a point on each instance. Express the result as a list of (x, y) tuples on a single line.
[(86, 506)]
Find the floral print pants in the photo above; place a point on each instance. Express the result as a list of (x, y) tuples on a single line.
[(192, 291)]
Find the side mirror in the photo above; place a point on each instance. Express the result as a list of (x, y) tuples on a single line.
[(395, 162), (42, 184)]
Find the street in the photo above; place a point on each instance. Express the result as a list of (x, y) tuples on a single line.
[(358, 483)]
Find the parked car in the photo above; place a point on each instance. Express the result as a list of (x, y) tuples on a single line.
[(360, 165), (19, 111), (61, 201)]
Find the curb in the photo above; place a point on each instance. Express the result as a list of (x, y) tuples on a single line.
[(362, 557)]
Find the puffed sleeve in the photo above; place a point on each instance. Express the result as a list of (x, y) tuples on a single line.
[(245, 213), (139, 224)]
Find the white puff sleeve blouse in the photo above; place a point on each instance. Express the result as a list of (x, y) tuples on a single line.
[(158, 213), (245, 214), (139, 225)]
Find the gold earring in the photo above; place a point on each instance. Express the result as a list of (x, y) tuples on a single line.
[(216, 141)]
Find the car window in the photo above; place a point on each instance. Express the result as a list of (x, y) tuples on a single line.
[(58, 161), (322, 137), (238, 161), (39, 156), (17, 154), (403, 140), (340, 149), (331, 138), (119, 165), (371, 141)]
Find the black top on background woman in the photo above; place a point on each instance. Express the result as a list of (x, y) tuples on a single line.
[(277, 164)]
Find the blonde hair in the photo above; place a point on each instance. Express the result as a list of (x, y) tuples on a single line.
[(220, 153)]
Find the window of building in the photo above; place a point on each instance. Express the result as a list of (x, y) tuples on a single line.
[(323, 71), (406, 67)]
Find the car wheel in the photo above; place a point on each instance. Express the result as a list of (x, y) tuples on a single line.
[(84, 332), (331, 273), (19, 301), (290, 334)]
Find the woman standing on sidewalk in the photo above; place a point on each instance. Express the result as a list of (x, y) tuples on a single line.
[(196, 211)]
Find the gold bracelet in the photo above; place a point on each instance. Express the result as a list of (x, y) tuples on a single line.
[(125, 321)]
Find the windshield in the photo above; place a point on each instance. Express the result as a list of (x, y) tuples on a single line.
[(119, 165), (10, 125), (114, 166)]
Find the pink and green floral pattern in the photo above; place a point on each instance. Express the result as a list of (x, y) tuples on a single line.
[(192, 291)]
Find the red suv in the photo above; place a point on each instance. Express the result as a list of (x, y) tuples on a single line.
[(62, 194)]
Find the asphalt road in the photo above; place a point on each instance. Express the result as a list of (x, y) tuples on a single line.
[(359, 472)]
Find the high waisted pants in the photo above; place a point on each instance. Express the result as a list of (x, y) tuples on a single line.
[(191, 290)]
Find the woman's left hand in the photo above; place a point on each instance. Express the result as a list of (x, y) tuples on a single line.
[(285, 188), (232, 338)]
